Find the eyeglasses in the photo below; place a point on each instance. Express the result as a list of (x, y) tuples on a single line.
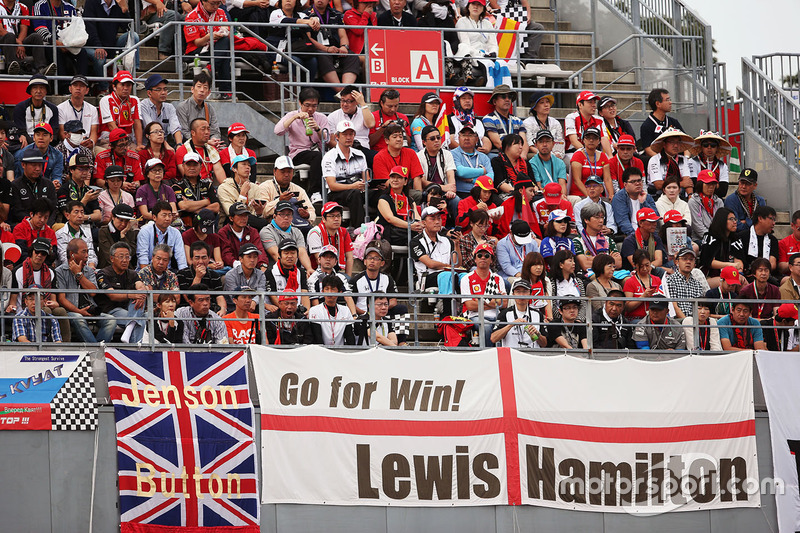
[(156, 132), (504, 96), (635, 181), (732, 219), (310, 106), (709, 144), (381, 304), (483, 256), (122, 257), (349, 101), (333, 215), (436, 138), (39, 252)]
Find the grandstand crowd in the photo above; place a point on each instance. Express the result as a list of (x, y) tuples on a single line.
[(143, 194)]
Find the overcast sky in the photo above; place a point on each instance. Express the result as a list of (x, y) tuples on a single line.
[(747, 28)]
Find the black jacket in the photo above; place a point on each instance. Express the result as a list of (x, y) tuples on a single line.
[(301, 333), (607, 337)]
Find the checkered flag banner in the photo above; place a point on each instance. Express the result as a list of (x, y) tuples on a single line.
[(74, 406), (401, 323)]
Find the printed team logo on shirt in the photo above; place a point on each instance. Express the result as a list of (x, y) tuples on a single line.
[(476, 288), (115, 110), (659, 128), (23, 191)]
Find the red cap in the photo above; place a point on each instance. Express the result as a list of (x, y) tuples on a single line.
[(626, 140), (237, 128), (44, 126), (552, 194), (399, 170), (707, 176), (673, 215), (481, 2), (123, 76), (287, 296), (646, 215), (485, 183), (730, 275), (485, 247), (587, 95), (786, 311), (116, 135), (330, 206)]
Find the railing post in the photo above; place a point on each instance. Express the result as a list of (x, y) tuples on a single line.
[(636, 14), (38, 311), (589, 333), (696, 327), (677, 47), (372, 323), (713, 85), (151, 321), (481, 338)]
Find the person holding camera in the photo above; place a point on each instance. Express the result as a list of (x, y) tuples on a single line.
[(343, 169), (201, 325), (282, 227), (282, 189)]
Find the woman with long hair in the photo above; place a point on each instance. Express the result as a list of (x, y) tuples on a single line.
[(590, 161), (426, 115), (113, 195), (556, 236), (704, 203), (565, 283), (534, 270), (395, 210), (475, 47), (603, 267), (641, 284), (156, 147), (477, 234), (509, 166), (480, 197), (540, 119), (709, 151), (518, 206), (715, 249)]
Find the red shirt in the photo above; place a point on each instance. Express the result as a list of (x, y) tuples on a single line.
[(199, 14), (167, 157), (617, 168), (632, 284), (124, 114), (356, 36), (503, 225), (787, 246), (381, 119), (190, 237), (210, 158), (384, 162), (13, 25), (241, 331), (24, 235), (593, 167), (130, 163)]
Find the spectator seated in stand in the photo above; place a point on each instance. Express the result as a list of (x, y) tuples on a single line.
[(242, 323), (519, 325), (739, 331), (482, 281), (789, 288), (75, 229), (518, 206), (397, 15), (603, 268), (281, 189), (282, 228), (331, 322), (330, 231), (119, 229), (69, 64), (156, 147), (343, 170), (395, 154), (18, 34), (167, 329), (27, 190), (73, 135), (670, 200), (640, 284), (24, 326), (657, 330), (624, 159), (336, 63), (554, 200), (118, 154), (556, 236), (513, 249), (387, 114), (36, 110), (396, 213), (610, 329), (571, 333), (716, 251), (113, 195), (546, 165), (120, 110), (239, 189), (629, 200), (758, 240), (669, 161), (237, 138), (703, 204), (592, 240), (200, 143), (107, 38), (155, 107), (709, 152), (53, 169), (328, 259), (286, 325), (481, 199), (355, 109), (658, 121), (501, 122), (154, 190), (384, 332), (708, 332), (125, 306), (761, 290), (204, 228), (432, 253), (614, 126), (539, 119), (471, 163), (193, 194), (477, 234), (576, 123), (683, 285), (510, 167), (587, 162), (200, 271), (780, 332), (744, 201), (202, 325), (438, 168), (304, 149), (730, 282), (246, 273), (155, 13), (564, 283), (645, 238), (287, 275), (198, 44), (196, 107), (789, 245), (35, 227), (237, 233), (160, 231), (594, 188)]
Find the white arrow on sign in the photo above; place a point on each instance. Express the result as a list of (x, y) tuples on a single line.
[(374, 49)]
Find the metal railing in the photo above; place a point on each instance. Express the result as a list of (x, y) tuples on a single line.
[(782, 68), (771, 113), (451, 303)]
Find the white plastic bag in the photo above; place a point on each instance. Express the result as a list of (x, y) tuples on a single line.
[(74, 35), (129, 61)]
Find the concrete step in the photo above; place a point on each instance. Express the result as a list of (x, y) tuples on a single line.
[(568, 52), (603, 77), (568, 39)]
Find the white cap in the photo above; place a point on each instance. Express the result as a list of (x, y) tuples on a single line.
[(430, 210), (192, 156), (284, 161), (344, 125)]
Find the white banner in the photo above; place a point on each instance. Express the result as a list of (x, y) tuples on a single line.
[(779, 373), (505, 427)]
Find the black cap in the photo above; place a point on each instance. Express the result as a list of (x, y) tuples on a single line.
[(206, 221), (565, 302), (237, 208), (748, 174), (591, 131), (544, 133), (247, 248), (287, 244), (123, 211), (659, 302), (32, 155), (41, 245), (79, 78), (604, 101), (283, 205), (114, 171), (74, 126)]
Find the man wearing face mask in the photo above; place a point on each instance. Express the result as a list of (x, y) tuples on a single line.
[(74, 135)]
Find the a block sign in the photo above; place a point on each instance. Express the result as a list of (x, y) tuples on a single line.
[(405, 57)]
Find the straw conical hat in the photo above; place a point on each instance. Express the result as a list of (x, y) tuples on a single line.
[(724, 146), (686, 140)]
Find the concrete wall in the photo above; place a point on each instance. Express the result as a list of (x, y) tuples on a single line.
[(46, 487)]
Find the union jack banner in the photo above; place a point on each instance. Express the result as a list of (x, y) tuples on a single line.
[(185, 448)]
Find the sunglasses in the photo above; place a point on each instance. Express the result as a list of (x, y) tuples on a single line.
[(709, 144), (483, 256)]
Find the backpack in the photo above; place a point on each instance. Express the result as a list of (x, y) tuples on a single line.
[(371, 231)]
